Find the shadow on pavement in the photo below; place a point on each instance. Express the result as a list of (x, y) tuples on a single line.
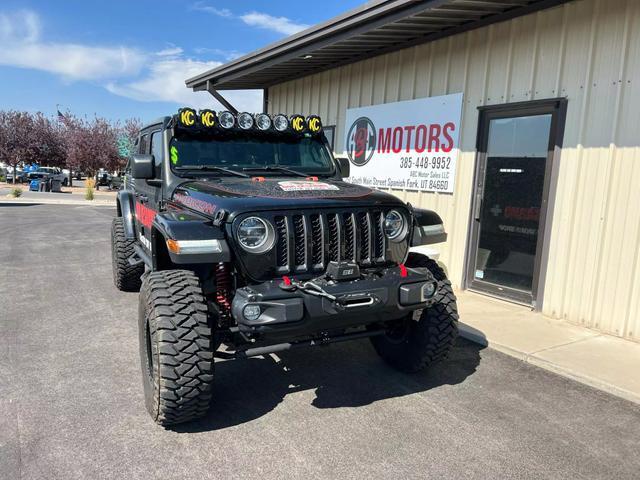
[(346, 375), (18, 204)]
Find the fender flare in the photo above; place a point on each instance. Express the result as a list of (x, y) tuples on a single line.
[(126, 210)]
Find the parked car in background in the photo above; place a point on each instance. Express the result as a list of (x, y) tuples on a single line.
[(54, 172), (67, 175), (21, 176), (117, 180), (102, 178)]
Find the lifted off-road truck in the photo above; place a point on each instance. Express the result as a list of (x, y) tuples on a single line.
[(244, 240)]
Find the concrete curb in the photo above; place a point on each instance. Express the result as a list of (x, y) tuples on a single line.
[(478, 337), (61, 201)]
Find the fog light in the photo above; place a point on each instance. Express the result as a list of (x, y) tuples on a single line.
[(251, 312), (429, 290)]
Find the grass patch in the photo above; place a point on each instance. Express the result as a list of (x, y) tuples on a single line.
[(90, 183)]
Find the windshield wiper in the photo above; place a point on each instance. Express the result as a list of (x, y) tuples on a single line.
[(212, 168), (274, 168)]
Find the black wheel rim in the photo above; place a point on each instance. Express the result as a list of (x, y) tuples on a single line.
[(399, 331)]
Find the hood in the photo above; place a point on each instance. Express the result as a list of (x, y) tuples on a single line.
[(239, 195)]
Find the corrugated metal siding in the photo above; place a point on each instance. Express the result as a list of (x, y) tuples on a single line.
[(588, 51)]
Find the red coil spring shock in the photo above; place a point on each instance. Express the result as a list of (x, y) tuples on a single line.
[(223, 291)]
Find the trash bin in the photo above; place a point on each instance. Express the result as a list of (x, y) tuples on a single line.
[(34, 185), (56, 185)]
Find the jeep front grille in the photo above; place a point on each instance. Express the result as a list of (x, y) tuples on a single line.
[(306, 242)]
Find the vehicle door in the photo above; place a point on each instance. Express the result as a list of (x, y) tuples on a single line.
[(149, 192), (145, 213)]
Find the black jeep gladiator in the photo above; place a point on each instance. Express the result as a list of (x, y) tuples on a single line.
[(244, 240)]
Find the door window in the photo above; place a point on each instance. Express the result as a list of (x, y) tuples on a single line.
[(510, 215), (515, 151), (157, 151)]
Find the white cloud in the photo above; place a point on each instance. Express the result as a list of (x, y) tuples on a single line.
[(128, 72), (276, 24), (22, 47), (170, 52), (164, 82), (219, 52), (203, 7), (282, 25)]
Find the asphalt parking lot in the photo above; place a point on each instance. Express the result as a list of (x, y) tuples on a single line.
[(71, 403)]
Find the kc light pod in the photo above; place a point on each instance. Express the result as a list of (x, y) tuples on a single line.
[(226, 119), (298, 124), (187, 117), (245, 121), (208, 118), (263, 121), (280, 122), (314, 123)]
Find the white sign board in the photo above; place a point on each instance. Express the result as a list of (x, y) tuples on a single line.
[(408, 145)]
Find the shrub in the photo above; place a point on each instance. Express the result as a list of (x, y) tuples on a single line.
[(89, 193), (16, 192)]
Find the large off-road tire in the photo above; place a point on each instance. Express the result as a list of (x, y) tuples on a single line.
[(126, 277), (428, 335), (176, 346)]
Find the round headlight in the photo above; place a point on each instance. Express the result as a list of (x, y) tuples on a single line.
[(280, 122), (394, 225), (255, 235), (245, 121), (263, 121), (226, 119)]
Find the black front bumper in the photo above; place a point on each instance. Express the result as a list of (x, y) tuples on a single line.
[(376, 297)]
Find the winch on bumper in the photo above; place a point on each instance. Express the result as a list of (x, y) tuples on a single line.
[(303, 308)]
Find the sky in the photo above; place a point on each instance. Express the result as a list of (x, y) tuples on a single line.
[(129, 58)]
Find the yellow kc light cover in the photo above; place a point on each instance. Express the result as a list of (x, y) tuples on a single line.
[(314, 123), (187, 117), (208, 118), (298, 124)]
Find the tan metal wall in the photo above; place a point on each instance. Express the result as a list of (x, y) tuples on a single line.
[(588, 51)]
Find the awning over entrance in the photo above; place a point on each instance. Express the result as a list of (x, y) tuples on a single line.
[(373, 29)]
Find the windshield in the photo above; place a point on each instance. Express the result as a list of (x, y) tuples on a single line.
[(303, 154)]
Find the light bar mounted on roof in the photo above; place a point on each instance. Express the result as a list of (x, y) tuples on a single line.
[(208, 120)]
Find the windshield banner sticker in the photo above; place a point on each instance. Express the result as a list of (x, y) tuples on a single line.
[(299, 186)]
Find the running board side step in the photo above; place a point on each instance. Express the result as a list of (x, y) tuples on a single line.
[(139, 256), (280, 347)]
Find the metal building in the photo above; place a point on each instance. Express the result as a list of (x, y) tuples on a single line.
[(561, 74)]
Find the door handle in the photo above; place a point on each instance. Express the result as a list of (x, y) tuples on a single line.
[(478, 210)]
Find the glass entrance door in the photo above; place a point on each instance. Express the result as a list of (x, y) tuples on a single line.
[(515, 150)]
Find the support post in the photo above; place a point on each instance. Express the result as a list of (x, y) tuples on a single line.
[(265, 100), (220, 98)]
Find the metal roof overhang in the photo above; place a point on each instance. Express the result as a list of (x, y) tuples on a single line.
[(373, 29)]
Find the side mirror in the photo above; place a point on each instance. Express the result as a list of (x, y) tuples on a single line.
[(428, 228), (343, 166), (142, 167)]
